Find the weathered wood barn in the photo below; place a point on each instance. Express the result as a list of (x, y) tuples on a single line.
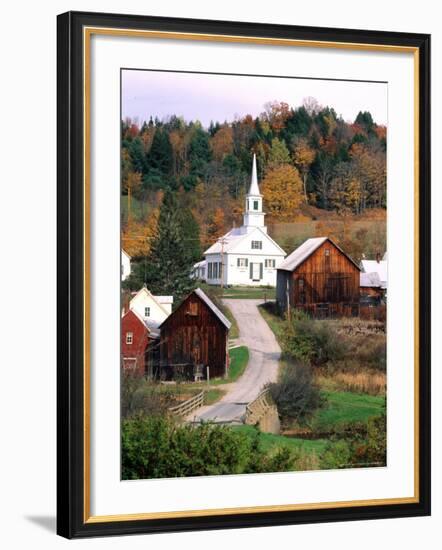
[(320, 279), (194, 337)]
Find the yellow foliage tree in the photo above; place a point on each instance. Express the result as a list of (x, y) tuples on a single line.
[(303, 156), (282, 190), (132, 182), (137, 237)]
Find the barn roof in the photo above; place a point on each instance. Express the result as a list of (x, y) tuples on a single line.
[(298, 256), (370, 280), (373, 266), (213, 307)]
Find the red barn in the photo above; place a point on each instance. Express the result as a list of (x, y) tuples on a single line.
[(136, 337)]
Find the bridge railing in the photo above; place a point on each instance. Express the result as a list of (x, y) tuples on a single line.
[(257, 408), (185, 408)]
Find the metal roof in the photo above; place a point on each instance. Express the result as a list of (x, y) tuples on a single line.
[(213, 307), (370, 280), (373, 266), (164, 299), (306, 249)]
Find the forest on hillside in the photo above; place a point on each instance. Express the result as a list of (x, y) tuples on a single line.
[(313, 168)]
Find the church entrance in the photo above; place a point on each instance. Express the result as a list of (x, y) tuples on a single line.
[(256, 271)]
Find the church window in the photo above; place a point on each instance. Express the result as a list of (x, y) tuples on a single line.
[(257, 245), (255, 205), (210, 270), (242, 262), (270, 263)]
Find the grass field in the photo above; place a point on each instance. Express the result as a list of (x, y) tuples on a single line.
[(240, 292), (270, 442), (344, 408)]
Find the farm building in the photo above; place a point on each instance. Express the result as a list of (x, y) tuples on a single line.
[(370, 285), (194, 337), (152, 309), (377, 266), (320, 279), (138, 343)]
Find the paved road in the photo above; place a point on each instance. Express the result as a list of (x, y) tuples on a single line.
[(264, 353)]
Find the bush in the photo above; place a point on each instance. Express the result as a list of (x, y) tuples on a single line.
[(362, 446), (295, 395), (157, 447), (138, 396), (311, 341)]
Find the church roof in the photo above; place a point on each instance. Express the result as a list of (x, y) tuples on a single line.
[(234, 237), (231, 239), (254, 188)]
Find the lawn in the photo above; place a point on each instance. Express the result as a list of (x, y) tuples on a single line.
[(239, 357), (275, 322), (346, 407), (239, 292), (270, 442)]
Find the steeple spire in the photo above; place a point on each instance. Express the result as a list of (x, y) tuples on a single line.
[(254, 188), (253, 214)]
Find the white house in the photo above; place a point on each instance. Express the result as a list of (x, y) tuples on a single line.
[(245, 255), (377, 266), (125, 265), (152, 309)]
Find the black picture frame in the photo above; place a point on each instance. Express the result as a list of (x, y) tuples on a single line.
[(71, 520)]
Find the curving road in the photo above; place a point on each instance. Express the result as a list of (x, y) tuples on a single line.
[(264, 353)]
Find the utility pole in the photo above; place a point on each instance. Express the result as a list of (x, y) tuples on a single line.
[(287, 295), (222, 241)]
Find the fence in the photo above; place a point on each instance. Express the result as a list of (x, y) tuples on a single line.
[(183, 409), (257, 408), (262, 412)]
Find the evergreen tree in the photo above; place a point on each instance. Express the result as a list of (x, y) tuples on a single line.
[(169, 262), (191, 235), (160, 156)]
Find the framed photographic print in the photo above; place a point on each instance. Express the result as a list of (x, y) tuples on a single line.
[(243, 274)]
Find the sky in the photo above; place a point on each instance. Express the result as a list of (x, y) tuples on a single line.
[(207, 97)]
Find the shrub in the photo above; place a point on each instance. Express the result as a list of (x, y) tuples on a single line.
[(309, 340), (157, 447), (295, 394), (138, 396), (362, 446)]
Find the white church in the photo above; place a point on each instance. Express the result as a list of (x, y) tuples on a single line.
[(246, 255)]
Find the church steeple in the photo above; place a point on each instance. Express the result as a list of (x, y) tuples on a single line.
[(253, 214)]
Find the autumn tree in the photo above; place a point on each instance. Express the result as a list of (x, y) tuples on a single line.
[(137, 237), (222, 143), (282, 191), (303, 156), (132, 184), (216, 225)]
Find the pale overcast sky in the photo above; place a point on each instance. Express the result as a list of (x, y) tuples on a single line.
[(207, 97)]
